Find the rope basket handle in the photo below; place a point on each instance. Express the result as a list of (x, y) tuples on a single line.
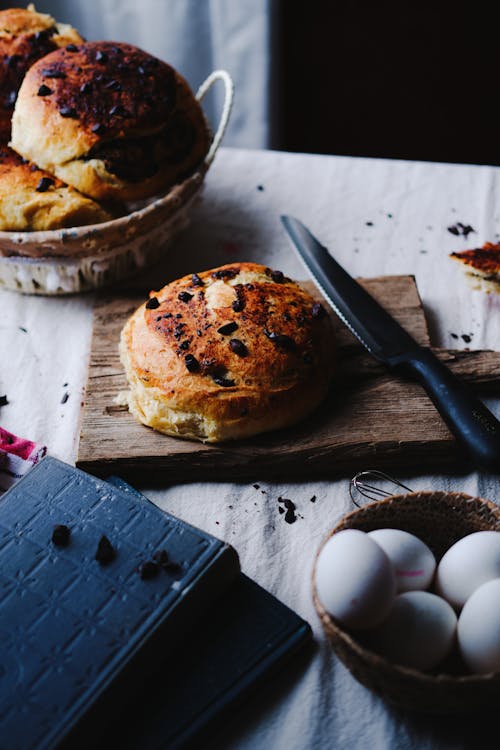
[(218, 75)]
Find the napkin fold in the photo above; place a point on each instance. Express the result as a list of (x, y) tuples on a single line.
[(17, 456)]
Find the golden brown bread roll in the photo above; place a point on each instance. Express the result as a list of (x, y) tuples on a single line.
[(110, 120), (25, 36), (481, 266), (31, 199), (227, 353)]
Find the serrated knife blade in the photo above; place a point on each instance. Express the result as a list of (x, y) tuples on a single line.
[(474, 426)]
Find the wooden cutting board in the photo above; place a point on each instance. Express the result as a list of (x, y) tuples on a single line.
[(371, 418)]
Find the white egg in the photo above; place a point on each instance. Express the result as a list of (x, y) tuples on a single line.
[(479, 628), (467, 564), (413, 561), (354, 579), (419, 631)]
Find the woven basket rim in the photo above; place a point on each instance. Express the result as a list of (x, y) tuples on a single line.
[(333, 628)]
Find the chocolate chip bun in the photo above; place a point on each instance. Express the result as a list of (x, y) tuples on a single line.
[(226, 354), (25, 36), (31, 199), (110, 120)]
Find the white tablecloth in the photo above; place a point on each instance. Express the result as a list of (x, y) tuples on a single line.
[(377, 217)]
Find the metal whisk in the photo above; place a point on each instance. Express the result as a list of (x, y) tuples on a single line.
[(361, 483)]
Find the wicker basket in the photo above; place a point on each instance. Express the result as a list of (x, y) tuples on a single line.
[(439, 519), (66, 261)]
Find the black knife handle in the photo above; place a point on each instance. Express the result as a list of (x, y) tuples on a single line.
[(474, 426)]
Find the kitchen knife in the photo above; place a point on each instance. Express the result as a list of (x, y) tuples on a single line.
[(471, 422)]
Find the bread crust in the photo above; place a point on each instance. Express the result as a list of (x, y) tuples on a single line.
[(482, 266), (31, 199), (117, 124), (189, 378), (25, 37)]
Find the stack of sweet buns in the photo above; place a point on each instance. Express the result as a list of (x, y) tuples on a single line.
[(87, 126)]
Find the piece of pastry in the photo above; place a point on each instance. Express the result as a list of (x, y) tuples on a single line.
[(226, 354), (31, 199), (481, 266), (110, 120), (25, 36)]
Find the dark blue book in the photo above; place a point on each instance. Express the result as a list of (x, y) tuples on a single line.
[(84, 621)]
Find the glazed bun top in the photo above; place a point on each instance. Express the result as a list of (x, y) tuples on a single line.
[(109, 119), (25, 36)]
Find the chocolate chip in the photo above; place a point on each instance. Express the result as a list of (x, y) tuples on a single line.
[(68, 112), (225, 273), (239, 303), (148, 570), (71, 48), (44, 184), (191, 363), (185, 296), (227, 328), (105, 552), (224, 382), (238, 347), (114, 85), (280, 339), (184, 345), (277, 277), (44, 90), (12, 60), (318, 311), (101, 56), (195, 280), (98, 128), (53, 73), (119, 110), (86, 87), (152, 303), (61, 535), (167, 315)]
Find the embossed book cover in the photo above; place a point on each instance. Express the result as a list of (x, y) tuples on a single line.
[(95, 584)]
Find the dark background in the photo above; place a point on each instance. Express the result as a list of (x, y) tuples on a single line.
[(385, 79)]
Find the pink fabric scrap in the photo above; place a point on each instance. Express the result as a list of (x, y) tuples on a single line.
[(17, 456)]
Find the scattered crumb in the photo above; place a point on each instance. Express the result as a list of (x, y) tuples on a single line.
[(65, 397), (23, 329), (260, 188), (369, 223), (4, 400), (312, 499), (460, 229)]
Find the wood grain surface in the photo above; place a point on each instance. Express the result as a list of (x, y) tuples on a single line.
[(371, 419)]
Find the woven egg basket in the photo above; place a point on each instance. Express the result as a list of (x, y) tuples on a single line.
[(439, 519), (78, 259)]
